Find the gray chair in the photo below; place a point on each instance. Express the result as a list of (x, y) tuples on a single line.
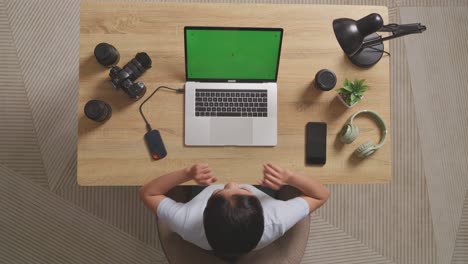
[(287, 249)]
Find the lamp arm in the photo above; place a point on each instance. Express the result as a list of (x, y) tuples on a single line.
[(397, 31), (395, 28)]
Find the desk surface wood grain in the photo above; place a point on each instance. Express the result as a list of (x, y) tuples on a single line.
[(114, 153)]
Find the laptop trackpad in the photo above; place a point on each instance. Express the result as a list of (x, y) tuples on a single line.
[(231, 131)]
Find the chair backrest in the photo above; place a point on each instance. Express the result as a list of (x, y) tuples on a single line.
[(287, 249)]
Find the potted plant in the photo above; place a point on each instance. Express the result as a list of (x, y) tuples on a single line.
[(352, 92)]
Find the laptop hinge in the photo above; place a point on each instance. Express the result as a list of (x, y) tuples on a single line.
[(232, 81)]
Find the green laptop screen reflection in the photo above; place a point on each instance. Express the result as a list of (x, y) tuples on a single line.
[(229, 54)]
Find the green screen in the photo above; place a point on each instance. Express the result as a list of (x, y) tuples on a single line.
[(232, 54)]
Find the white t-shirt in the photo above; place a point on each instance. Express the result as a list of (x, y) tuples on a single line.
[(187, 219)]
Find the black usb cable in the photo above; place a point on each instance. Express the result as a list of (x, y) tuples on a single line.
[(153, 137)]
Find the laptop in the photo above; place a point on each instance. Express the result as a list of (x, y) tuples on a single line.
[(230, 89)]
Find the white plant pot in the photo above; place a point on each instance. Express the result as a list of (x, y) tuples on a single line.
[(346, 104)]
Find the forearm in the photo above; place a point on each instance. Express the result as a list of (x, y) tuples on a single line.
[(163, 184), (309, 186)]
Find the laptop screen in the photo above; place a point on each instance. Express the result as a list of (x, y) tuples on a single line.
[(240, 54)]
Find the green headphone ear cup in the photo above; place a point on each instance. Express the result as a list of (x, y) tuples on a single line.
[(365, 150), (349, 133)]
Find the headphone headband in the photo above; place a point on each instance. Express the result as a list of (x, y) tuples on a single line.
[(377, 118)]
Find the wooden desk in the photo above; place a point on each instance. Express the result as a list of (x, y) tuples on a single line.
[(114, 153)]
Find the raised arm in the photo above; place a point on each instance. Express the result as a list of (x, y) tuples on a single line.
[(154, 191), (314, 192)]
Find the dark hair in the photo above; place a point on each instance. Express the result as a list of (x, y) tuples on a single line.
[(233, 227)]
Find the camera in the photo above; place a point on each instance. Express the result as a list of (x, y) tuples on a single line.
[(124, 78)]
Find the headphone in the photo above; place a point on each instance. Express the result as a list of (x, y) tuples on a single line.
[(349, 133)]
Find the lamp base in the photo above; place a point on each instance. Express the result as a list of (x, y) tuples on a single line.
[(366, 57)]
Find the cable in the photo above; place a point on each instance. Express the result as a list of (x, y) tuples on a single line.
[(391, 26), (148, 126), (386, 52)]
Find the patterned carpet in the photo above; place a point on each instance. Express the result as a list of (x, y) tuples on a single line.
[(439, 74), (420, 217)]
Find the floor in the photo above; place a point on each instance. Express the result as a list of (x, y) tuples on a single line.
[(420, 217)]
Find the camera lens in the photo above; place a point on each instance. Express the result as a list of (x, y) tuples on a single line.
[(138, 65), (106, 54), (97, 110), (325, 80), (144, 60)]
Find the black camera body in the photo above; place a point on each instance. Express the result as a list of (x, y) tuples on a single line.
[(124, 78)]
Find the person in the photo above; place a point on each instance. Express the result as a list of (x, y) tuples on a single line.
[(233, 219)]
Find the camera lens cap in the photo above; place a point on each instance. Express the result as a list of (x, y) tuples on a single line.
[(325, 80), (106, 54), (97, 110)]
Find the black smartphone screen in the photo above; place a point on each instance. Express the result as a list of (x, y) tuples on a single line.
[(316, 143)]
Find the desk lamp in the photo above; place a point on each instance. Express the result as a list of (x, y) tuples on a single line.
[(359, 40)]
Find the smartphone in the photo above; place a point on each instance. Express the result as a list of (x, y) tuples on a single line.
[(316, 143)]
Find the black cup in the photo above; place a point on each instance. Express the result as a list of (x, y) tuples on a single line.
[(106, 54), (97, 110), (325, 80)]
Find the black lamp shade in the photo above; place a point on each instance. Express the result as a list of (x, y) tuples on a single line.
[(351, 33)]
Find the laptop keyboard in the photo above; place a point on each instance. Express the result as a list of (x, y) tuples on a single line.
[(236, 103)]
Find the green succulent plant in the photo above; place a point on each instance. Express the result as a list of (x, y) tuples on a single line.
[(352, 91)]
